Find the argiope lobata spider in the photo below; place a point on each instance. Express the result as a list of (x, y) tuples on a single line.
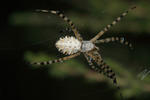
[(75, 46)]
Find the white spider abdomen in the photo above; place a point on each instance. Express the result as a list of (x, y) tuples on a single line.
[(68, 45)]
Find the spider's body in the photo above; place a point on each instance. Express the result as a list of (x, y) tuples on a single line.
[(87, 46), (71, 45), (75, 46)]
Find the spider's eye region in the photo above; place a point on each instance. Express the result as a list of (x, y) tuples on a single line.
[(68, 45), (87, 46)]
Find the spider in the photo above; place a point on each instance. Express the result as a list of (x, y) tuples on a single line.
[(74, 46)]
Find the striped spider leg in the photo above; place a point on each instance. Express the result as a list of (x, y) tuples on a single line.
[(115, 39), (89, 59), (66, 19), (110, 25), (56, 60), (102, 66)]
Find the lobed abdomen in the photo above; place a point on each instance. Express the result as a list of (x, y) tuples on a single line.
[(68, 45)]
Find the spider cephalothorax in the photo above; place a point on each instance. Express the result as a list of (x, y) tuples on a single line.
[(74, 46), (87, 46)]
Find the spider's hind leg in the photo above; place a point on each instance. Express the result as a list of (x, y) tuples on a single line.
[(102, 67), (110, 74), (47, 62), (66, 19), (89, 59), (105, 69)]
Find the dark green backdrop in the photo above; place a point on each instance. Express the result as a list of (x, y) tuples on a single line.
[(30, 36)]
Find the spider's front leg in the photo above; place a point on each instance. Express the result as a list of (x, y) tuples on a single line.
[(110, 25), (89, 59), (103, 67), (115, 39), (56, 60)]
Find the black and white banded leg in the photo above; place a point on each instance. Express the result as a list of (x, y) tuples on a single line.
[(110, 25), (89, 59), (66, 19), (56, 60), (115, 39)]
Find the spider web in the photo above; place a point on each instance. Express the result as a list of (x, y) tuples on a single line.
[(143, 74)]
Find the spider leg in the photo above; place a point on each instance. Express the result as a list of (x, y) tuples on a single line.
[(103, 67), (66, 19), (89, 59), (109, 73), (56, 60), (110, 25), (114, 39)]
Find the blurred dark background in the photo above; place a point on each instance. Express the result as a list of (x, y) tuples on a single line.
[(28, 36)]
